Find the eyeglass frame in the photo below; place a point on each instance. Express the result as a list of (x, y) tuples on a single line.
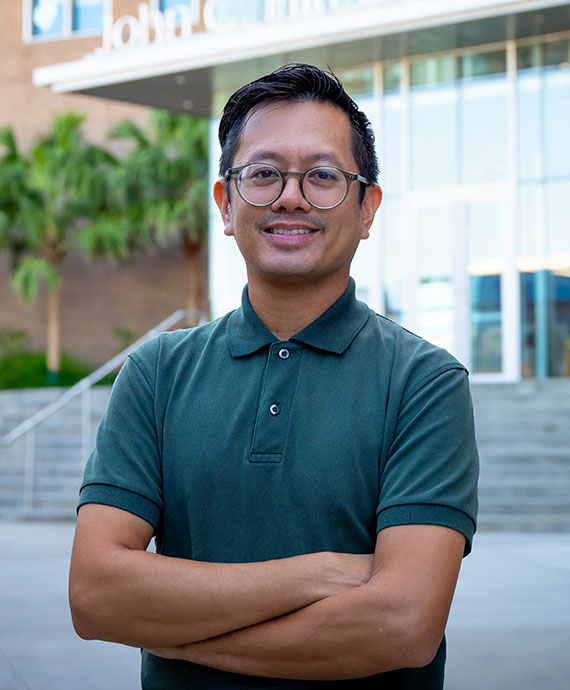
[(348, 176)]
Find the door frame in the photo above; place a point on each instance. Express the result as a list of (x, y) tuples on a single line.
[(457, 198)]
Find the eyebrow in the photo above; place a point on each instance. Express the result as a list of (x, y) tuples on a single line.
[(322, 158)]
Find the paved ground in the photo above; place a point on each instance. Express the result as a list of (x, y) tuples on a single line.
[(509, 628)]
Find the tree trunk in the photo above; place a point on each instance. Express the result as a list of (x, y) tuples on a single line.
[(53, 358), (196, 262)]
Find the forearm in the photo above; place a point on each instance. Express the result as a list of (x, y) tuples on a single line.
[(349, 635), (395, 620), (140, 598), (121, 593)]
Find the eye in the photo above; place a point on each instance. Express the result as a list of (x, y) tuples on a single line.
[(260, 174), (323, 176)]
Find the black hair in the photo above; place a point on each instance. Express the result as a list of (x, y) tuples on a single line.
[(294, 83)]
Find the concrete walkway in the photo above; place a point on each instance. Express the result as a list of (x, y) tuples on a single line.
[(509, 627)]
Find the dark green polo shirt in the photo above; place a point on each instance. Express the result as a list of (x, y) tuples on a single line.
[(237, 447)]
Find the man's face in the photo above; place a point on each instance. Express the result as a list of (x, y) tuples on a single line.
[(290, 241)]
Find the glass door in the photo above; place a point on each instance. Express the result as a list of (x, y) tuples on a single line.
[(459, 285)]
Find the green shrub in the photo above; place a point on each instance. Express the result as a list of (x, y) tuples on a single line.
[(20, 368)]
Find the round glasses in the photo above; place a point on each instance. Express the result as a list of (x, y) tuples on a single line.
[(324, 187)]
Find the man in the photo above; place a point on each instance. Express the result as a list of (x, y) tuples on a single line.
[(307, 467)]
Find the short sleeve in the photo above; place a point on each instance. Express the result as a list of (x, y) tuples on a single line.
[(124, 469), (430, 473)]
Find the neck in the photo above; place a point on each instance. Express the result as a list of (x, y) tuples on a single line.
[(285, 309)]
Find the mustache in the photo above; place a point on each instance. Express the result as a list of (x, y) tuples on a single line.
[(303, 219)]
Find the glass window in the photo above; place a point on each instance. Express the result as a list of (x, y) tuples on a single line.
[(167, 4), (485, 267), (47, 17), (544, 262), (543, 107), (531, 163), (436, 297), (558, 267), (389, 150), (234, 13), (450, 99), (483, 100), (433, 122), (544, 224), (391, 256), (556, 109), (87, 15), (359, 83)]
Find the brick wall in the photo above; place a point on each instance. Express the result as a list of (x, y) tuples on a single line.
[(99, 296)]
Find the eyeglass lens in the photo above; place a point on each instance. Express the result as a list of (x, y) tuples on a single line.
[(261, 185)]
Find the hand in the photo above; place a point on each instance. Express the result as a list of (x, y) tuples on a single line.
[(345, 571)]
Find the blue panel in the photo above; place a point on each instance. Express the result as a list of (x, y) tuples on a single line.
[(87, 15), (47, 18)]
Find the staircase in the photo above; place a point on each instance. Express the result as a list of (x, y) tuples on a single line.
[(523, 433), (50, 490), (46, 435)]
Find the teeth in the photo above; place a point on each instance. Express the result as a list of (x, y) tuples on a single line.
[(293, 231)]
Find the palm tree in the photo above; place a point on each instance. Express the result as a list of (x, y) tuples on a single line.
[(56, 190), (163, 189), (16, 198)]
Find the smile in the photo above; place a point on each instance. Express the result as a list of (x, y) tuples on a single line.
[(292, 231)]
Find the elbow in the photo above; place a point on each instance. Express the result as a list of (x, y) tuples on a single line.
[(84, 609), (420, 643), (404, 639)]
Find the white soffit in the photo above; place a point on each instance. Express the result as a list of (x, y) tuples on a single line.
[(210, 48)]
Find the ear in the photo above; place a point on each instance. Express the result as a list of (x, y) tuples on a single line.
[(370, 203), (223, 202)]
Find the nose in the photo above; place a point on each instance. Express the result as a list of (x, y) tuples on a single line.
[(291, 198)]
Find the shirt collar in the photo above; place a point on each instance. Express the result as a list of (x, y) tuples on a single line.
[(333, 331)]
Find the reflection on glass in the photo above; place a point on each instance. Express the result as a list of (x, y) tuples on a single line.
[(545, 312), (543, 107), (484, 100), (544, 262), (557, 100), (450, 99), (230, 12), (485, 265), (389, 148), (358, 82), (87, 15), (47, 17), (393, 278), (436, 300), (167, 4), (433, 124)]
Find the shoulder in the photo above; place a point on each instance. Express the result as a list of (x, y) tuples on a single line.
[(173, 351), (409, 360)]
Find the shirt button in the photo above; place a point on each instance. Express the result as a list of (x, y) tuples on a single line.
[(284, 353), (274, 409)]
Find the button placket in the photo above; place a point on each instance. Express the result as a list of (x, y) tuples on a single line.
[(275, 404)]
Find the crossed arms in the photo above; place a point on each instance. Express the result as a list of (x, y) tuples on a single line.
[(320, 616)]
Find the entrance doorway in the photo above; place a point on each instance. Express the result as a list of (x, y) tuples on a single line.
[(462, 286)]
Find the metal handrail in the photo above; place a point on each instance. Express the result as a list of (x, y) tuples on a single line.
[(86, 383)]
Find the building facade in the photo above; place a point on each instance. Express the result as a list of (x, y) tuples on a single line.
[(469, 101), (471, 246), (100, 300)]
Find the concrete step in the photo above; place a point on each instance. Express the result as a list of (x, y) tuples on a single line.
[(522, 522), (514, 469), (523, 434), (531, 452)]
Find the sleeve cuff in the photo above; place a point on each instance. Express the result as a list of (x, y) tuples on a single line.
[(428, 514), (117, 497)]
